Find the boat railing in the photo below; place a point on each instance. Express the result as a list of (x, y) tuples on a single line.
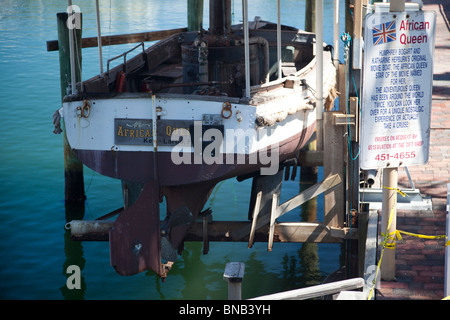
[(124, 55)]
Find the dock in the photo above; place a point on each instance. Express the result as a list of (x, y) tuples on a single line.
[(420, 263)]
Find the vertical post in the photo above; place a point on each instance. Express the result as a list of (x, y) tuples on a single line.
[(279, 38), (333, 162), (99, 37), (336, 33), (195, 14), (310, 14), (447, 248), (389, 221), (73, 168), (319, 73), (246, 48), (357, 34), (234, 273)]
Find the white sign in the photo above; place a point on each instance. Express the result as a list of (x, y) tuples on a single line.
[(397, 89)]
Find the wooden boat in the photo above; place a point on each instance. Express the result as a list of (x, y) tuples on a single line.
[(188, 112)]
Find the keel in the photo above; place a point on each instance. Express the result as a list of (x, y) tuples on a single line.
[(135, 238)]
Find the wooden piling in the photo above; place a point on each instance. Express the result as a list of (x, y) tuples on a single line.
[(73, 168), (234, 273), (333, 163), (310, 14), (195, 14)]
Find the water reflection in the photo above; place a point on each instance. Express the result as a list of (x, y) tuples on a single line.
[(73, 251), (303, 270)]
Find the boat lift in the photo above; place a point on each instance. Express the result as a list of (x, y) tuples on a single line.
[(264, 227)]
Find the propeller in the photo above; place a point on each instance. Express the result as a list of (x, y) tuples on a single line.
[(180, 217)]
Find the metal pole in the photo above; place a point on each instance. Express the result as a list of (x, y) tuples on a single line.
[(71, 50), (246, 48), (389, 221), (279, 38), (336, 34), (319, 73), (99, 37)]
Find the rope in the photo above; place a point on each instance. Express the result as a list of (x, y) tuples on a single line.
[(57, 122)]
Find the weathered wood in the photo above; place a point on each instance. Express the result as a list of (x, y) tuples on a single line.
[(309, 193), (310, 16), (315, 291), (234, 273), (195, 14), (90, 42), (73, 168), (254, 219), (327, 184), (273, 216), (354, 112), (333, 163)]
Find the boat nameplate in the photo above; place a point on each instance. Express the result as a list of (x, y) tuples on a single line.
[(139, 132)]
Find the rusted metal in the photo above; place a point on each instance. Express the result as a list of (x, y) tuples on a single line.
[(229, 231), (134, 240)]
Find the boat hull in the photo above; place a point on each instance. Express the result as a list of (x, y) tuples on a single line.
[(241, 148)]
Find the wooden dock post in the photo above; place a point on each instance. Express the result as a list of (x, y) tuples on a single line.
[(73, 168), (333, 163), (389, 221), (310, 15), (195, 14), (234, 273)]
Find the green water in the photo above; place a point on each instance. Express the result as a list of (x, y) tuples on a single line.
[(35, 249)]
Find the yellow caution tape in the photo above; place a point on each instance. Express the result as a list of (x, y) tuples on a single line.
[(396, 235), (398, 190)]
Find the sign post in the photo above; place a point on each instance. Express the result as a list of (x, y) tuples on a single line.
[(396, 103)]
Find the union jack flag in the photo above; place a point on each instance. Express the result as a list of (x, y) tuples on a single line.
[(384, 33)]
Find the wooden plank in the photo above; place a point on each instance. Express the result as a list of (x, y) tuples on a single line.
[(91, 42), (333, 163), (315, 291), (312, 192), (254, 219), (306, 195), (273, 216), (354, 112)]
